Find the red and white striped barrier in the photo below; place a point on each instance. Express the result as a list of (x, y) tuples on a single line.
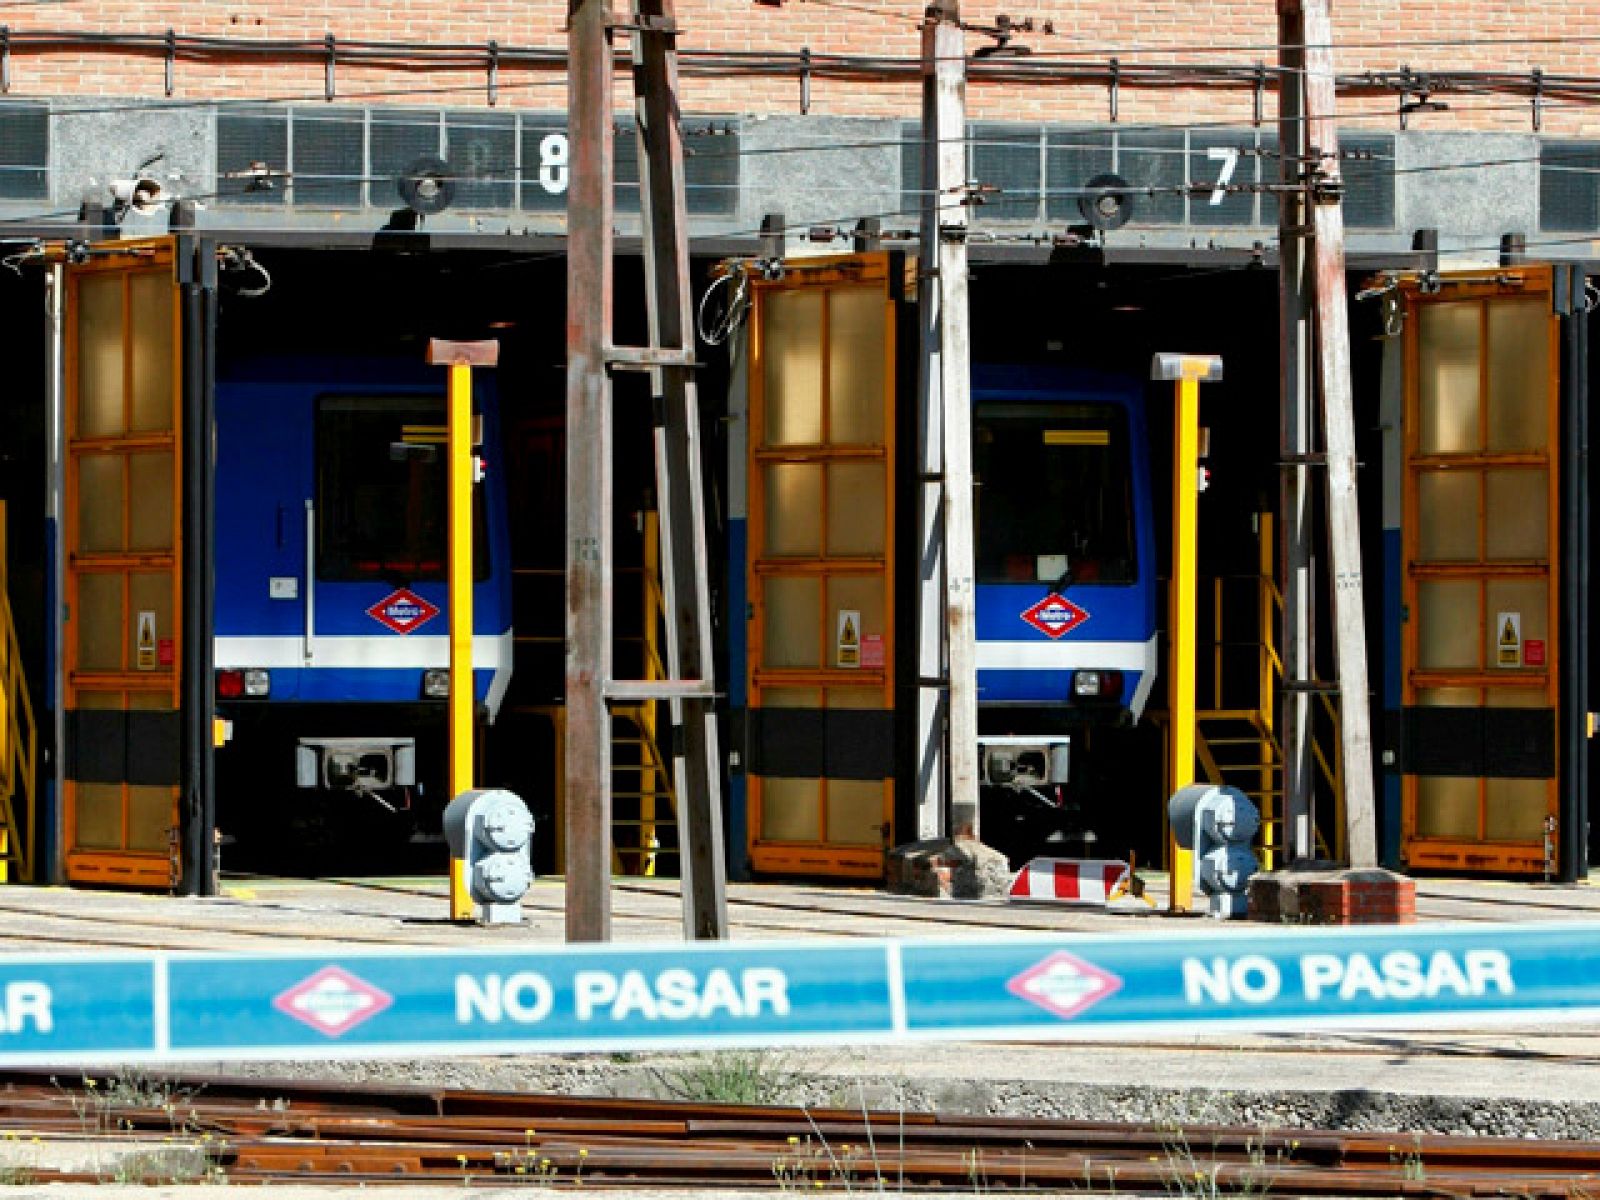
[(1069, 880)]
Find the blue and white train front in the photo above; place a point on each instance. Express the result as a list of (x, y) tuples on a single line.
[(1066, 567), (332, 622)]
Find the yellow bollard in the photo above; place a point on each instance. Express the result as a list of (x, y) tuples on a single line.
[(1189, 371), (461, 357)]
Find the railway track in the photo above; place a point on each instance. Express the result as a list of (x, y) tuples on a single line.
[(277, 1131)]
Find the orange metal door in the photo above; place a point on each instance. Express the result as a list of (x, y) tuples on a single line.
[(1480, 536), (123, 556), (821, 577)]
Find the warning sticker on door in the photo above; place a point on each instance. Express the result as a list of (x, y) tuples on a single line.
[(1509, 645), (849, 638), (872, 651), (145, 643)]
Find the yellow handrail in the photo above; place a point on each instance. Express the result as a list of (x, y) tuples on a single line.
[(1271, 673), (18, 738)]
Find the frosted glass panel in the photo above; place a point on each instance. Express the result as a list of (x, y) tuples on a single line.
[(794, 509), (793, 622), (99, 622), (1449, 697), (1448, 378), (1447, 806), (860, 593), (1517, 513), (100, 356), (791, 698), (1514, 809), (150, 486), (856, 811), (1524, 596), (1519, 375), (856, 504), (792, 346), (1447, 515), (150, 816), (1447, 625), (791, 810), (100, 503), (856, 357), (154, 366), (871, 698), (151, 592), (97, 816)]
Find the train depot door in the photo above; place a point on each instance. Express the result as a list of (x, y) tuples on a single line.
[(820, 638), (1480, 536), (122, 635)]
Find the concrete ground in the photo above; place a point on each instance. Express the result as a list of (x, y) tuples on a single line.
[(1522, 1081)]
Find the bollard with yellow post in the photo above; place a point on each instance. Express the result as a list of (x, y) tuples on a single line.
[(461, 358), (1189, 371)]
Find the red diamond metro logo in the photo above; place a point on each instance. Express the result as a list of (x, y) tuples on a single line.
[(403, 610), (1063, 984), (1055, 615), (332, 1001)]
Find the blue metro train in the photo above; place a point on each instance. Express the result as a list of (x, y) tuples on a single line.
[(1066, 572), (331, 624)]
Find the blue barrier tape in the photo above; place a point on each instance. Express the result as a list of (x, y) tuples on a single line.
[(373, 1003)]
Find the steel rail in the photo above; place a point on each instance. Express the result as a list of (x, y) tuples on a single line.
[(275, 1131)]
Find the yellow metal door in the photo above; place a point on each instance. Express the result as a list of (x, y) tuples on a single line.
[(1480, 536), (821, 578), (123, 556)]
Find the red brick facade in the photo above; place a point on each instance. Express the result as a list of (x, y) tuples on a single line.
[(1373, 34)]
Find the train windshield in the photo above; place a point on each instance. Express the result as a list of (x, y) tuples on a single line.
[(382, 491), (1055, 494)]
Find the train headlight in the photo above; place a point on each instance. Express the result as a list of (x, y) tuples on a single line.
[(436, 685), (257, 682), (1093, 685)]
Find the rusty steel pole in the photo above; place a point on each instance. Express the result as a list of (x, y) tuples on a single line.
[(589, 282), (1338, 422), (1295, 423), (697, 768)]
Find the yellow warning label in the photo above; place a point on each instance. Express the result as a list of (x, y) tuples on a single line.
[(145, 644), (849, 654), (1509, 642)]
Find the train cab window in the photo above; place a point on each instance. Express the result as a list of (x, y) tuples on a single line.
[(1055, 494), (382, 491)]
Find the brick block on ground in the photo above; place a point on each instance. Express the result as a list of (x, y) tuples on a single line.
[(959, 869), (1333, 896)]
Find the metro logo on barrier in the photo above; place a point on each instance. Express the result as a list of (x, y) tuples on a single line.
[(402, 610), (414, 1001), (332, 1001), (1055, 615), (1063, 984)]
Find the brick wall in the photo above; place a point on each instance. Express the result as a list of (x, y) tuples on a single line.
[(1139, 31)]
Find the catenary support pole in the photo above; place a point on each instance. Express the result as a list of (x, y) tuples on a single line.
[(588, 664), (1338, 421), (685, 581), (1294, 424), (947, 712), (197, 278)]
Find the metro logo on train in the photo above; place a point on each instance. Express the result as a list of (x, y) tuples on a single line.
[(402, 611), (1055, 615)]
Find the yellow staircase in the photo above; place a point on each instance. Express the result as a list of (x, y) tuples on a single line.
[(644, 811), (18, 741), (1236, 739)]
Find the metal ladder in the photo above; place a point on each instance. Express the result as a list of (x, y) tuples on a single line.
[(1236, 739), (18, 741)]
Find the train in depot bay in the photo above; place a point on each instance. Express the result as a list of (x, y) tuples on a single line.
[(1066, 574), (331, 629)]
